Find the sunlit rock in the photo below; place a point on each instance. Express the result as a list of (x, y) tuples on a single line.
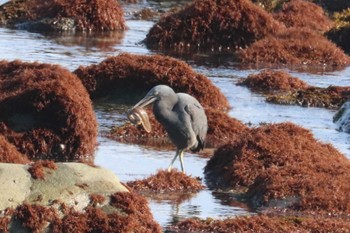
[(46, 112), (71, 197), (342, 117)]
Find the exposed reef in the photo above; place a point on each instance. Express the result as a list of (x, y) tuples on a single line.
[(46, 112), (63, 15), (282, 88)]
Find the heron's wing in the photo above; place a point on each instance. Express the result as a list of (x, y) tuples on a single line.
[(198, 121)]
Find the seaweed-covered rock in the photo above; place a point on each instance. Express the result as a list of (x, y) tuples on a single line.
[(283, 166), (342, 117), (127, 75), (272, 80), (46, 112), (63, 15), (295, 46), (282, 88), (299, 13), (10, 154), (331, 97), (262, 223), (74, 197), (214, 25), (164, 181)]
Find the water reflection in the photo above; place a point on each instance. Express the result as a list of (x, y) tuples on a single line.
[(91, 41)]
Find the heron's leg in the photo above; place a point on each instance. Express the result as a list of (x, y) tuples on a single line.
[(181, 154), (172, 161)]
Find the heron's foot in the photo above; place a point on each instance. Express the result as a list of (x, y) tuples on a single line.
[(169, 169)]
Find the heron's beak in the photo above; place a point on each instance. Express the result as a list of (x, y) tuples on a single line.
[(148, 99)]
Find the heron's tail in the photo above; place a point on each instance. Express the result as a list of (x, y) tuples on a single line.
[(199, 145)]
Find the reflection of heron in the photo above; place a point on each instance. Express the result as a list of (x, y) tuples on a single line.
[(182, 116)]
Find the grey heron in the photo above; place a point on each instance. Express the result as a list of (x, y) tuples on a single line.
[(181, 115)]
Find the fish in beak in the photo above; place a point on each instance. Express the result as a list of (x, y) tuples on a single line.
[(137, 115)]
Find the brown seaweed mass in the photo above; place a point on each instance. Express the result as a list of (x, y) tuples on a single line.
[(37, 169), (294, 46), (263, 224), (9, 153), (96, 15), (299, 13), (212, 24), (271, 80), (46, 112), (284, 161), (164, 181), (130, 74), (132, 212)]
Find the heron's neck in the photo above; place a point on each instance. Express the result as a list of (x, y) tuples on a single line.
[(163, 109)]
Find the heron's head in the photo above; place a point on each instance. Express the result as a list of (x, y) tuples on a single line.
[(156, 93)]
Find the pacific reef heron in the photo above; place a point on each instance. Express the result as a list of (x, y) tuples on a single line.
[(181, 115)]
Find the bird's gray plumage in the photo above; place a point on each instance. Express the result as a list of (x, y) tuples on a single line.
[(182, 116)]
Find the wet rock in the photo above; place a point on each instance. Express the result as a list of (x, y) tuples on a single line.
[(74, 197), (299, 13), (295, 46), (128, 75), (262, 223), (46, 112), (283, 164), (342, 117), (209, 25), (38, 15)]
